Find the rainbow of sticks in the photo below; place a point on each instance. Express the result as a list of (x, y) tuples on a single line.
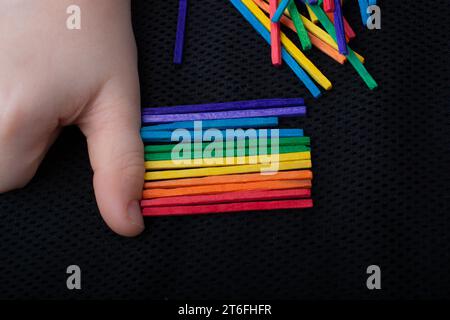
[(326, 29), (192, 177), (264, 169)]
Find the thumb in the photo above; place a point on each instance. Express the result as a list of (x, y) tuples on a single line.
[(112, 129)]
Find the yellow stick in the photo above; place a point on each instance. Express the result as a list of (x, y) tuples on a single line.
[(225, 161), (290, 47), (217, 171), (312, 15)]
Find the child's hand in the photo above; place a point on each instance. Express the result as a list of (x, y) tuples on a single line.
[(51, 77)]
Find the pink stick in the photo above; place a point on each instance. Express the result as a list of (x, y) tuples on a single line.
[(275, 42)]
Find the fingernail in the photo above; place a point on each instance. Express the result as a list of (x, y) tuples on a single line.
[(134, 214)]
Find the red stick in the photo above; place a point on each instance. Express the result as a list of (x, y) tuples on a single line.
[(275, 40), (328, 5), (228, 207), (226, 197), (348, 29)]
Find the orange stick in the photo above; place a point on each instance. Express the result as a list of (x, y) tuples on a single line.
[(318, 43), (232, 178), (211, 189), (328, 50)]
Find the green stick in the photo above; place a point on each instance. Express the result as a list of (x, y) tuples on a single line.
[(282, 141), (299, 26), (282, 149)]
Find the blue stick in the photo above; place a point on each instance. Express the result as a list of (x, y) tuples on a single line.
[(339, 27), (217, 124), (363, 4), (166, 136), (181, 26), (286, 56), (280, 10)]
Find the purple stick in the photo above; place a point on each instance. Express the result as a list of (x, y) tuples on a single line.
[(224, 106), (181, 26), (273, 112), (339, 27)]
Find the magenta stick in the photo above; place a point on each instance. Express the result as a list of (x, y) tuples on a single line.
[(224, 106)]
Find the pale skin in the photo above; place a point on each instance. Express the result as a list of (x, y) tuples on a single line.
[(52, 77)]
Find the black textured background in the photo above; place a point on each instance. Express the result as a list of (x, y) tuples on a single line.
[(381, 164)]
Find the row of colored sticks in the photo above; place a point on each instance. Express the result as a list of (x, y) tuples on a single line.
[(264, 168), (332, 37)]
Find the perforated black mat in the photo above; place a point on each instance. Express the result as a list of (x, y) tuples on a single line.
[(381, 163)]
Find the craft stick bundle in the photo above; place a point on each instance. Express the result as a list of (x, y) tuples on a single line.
[(220, 164)]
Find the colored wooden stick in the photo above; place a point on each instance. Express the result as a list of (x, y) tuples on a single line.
[(328, 5), (289, 46), (228, 207), (236, 152), (246, 151), (227, 197), (290, 61), (328, 50), (166, 136), (286, 111), (217, 171), (279, 12), (296, 140), (300, 28), (226, 106), (352, 58), (223, 161), (232, 178), (181, 26), (349, 32), (213, 189), (312, 16), (363, 4), (339, 28), (275, 41), (217, 124), (372, 2)]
